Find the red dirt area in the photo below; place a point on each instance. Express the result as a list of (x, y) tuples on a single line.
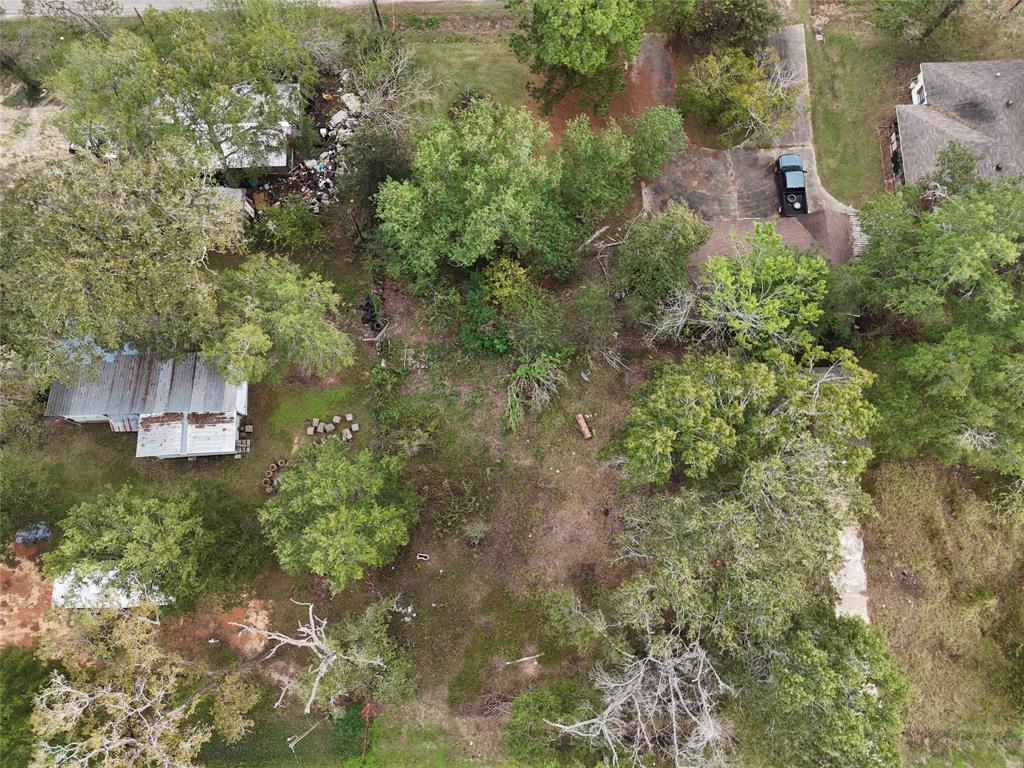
[(210, 625), (650, 81), (24, 598)]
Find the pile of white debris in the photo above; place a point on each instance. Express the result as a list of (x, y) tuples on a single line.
[(316, 178)]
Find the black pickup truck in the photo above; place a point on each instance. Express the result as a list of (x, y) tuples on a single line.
[(789, 178)]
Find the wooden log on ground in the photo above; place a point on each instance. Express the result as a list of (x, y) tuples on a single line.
[(581, 420)]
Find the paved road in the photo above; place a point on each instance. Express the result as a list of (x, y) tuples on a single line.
[(13, 7)]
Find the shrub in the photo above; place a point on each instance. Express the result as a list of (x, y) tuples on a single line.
[(535, 382), (483, 330), (742, 96), (529, 738), (591, 320), (655, 257), (290, 229), (475, 530), (507, 283), (21, 678)]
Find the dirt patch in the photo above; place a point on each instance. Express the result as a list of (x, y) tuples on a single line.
[(650, 81), (211, 625), (479, 735), (28, 137), (24, 598), (578, 527)]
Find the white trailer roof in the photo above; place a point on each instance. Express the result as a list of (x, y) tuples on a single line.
[(101, 590), (176, 435)]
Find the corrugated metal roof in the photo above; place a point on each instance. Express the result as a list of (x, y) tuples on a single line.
[(137, 384), (175, 435)]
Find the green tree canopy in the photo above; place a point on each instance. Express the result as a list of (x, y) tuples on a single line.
[(713, 24), (271, 316), (143, 540), (387, 680), (764, 297), (212, 80), (735, 566), (338, 512), (718, 412), (107, 253), (480, 178), (575, 44), (125, 700), (654, 260), (832, 697), (599, 168), (777, 448), (743, 96), (484, 182), (941, 275)]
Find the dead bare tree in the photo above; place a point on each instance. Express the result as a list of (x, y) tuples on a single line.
[(662, 704), (772, 112), (326, 655), (391, 85)]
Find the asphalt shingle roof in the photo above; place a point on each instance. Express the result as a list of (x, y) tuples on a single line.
[(978, 103)]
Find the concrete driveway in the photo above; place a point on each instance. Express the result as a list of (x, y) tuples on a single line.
[(738, 183)]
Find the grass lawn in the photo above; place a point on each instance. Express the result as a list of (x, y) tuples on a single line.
[(460, 64), (944, 570), (856, 76)]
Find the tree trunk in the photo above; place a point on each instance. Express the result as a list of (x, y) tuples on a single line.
[(9, 64), (947, 9)]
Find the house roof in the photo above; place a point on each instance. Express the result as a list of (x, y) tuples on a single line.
[(135, 384), (828, 231), (174, 435), (978, 103), (273, 140), (101, 589)]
